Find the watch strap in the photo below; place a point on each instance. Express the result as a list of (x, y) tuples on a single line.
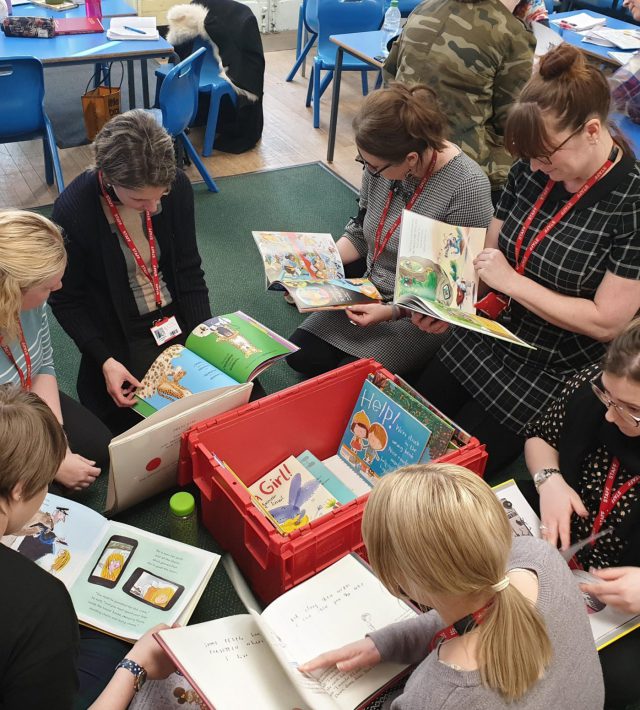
[(139, 673), (539, 477)]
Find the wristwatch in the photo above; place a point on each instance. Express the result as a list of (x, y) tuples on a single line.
[(139, 673), (539, 477)]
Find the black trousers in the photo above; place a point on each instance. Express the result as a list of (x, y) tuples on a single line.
[(441, 388), (86, 434), (315, 356)]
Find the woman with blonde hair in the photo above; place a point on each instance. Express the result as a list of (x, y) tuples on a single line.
[(44, 657), (32, 261), (507, 626), (408, 163)]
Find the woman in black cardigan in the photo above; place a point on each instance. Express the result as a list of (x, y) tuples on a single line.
[(584, 452), (110, 299)]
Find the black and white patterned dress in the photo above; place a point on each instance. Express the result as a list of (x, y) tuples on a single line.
[(593, 470), (599, 234), (459, 193)]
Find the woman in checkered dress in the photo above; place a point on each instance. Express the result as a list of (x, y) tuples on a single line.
[(579, 286), (399, 133)]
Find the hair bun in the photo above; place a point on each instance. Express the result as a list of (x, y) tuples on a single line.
[(563, 59)]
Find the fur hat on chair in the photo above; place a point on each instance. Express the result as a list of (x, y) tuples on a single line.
[(186, 22)]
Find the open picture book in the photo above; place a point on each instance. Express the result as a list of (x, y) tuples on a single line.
[(224, 351), (122, 580), (435, 274), (309, 267), (252, 660), (607, 624)]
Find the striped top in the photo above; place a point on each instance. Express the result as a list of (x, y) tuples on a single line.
[(36, 334)]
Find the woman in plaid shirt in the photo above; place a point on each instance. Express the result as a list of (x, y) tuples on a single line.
[(569, 291)]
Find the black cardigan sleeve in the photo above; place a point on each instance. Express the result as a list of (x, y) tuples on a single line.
[(190, 285)]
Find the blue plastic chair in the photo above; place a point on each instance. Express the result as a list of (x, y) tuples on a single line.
[(22, 114), (340, 17), (178, 103), (307, 22), (211, 84)]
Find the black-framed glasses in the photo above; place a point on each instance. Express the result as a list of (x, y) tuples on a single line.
[(372, 172), (546, 159), (621, 411)]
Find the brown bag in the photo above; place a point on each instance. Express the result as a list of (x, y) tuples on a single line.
[(100, 104)]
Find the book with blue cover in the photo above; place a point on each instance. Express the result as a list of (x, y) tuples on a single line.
[(381, 436)]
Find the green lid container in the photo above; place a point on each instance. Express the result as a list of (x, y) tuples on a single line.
[(182, 504)]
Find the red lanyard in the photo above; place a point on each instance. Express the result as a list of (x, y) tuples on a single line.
[(608, 502), (25, 379), (153, 277), (461, 627), (520, 265), (380, 243)]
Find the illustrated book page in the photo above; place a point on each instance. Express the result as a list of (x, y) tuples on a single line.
[(435, 274), (607, 624)]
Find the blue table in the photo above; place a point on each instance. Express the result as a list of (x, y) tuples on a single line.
[(88, 48), (363, 45), (593, 50)]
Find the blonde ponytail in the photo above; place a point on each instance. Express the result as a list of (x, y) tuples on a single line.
[(513, 645), (31, 252)]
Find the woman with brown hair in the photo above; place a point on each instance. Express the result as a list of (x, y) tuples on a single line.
[(583, 452), (408, 163), (561, 264), (507, 626)]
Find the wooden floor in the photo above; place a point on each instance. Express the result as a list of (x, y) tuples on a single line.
[(288, 139)]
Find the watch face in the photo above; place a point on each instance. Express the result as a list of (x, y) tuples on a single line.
[(141, 679)]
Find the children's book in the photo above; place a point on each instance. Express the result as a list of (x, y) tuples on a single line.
[(251, 660), (309, 267), (607, 624), (221, 352), (292, 495), (341, 491), (144, 459), (354, 479), (435, 274), (441, 432), (381, 436), (122, 580)]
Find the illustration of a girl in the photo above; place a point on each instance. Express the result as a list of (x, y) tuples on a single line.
[(61, 561), (112, 566), (360, 429), (159, 596)]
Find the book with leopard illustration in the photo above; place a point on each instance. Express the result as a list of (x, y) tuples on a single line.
[(224, 351), (309, 267)]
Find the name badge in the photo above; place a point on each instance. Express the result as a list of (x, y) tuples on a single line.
[(165, 330)]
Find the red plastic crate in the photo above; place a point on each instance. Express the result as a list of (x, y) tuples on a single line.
[(257, 437)]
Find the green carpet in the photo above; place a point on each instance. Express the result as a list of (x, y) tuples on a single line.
[(306, 198)]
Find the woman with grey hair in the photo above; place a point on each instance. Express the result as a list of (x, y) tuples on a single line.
[(132, 261)]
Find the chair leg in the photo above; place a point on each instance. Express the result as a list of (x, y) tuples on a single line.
[(193, 154), (212, 122), (316, 96), (48, 163), (300, 59), (325, 82), (379, 80), (55, 158), (310, 88), (365, 82)]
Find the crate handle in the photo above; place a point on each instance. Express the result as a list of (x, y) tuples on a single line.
[(260, 551)]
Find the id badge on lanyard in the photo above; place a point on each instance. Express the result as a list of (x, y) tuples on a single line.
[(165, 329)]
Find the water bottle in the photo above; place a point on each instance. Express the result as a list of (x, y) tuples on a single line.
[(5, 8), (183, 521), (93, 8), (390, 26)]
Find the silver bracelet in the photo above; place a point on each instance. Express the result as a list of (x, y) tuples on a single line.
[(544, 474)]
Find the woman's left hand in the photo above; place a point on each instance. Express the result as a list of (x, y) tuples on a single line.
[(369, 313), (494, 270), (620, 587)]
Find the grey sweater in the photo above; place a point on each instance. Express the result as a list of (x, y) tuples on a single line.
[(573, 680)]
